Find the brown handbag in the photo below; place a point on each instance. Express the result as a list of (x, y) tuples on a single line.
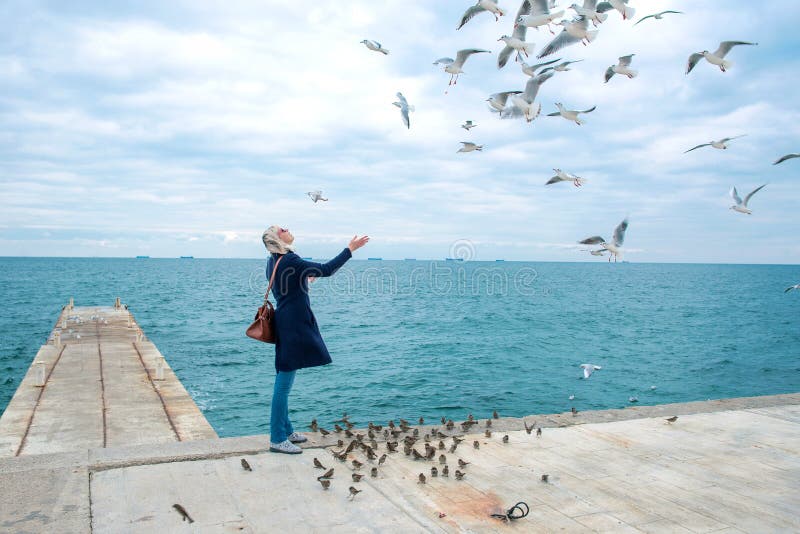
[(263, 327)]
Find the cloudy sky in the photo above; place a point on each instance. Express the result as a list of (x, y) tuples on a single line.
[(187, 127)]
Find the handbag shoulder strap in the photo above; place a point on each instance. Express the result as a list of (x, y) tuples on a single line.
[(272, 279)]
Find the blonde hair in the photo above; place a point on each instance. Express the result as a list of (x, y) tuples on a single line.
[(274, 243)]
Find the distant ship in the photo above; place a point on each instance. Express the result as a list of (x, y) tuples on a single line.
[(454, 259), (187, 257), (374, 259), (142, 257), (409, 259), (499, 260)]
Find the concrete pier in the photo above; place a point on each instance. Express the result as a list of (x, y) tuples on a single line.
[(730, 465)]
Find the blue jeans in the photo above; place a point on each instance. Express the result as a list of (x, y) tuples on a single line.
[(279, 425)]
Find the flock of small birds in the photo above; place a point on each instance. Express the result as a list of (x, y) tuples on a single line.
[(583, 27)]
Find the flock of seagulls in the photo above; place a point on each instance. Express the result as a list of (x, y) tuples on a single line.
[(583, 26)]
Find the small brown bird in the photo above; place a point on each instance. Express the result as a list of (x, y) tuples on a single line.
[(357, 464), (403, 422), (184, 514), (391, 424), (445, 471), (340, 443), (323, 431), (476, 444), (416, 432), (488, 423), (326, 474), (325, 483), (444, 420), (421, 420), (354, 492), (318, 464), (528, 429), (545, 478), (313, 425), (341, 456), (426, 438), (457, 440), (574, 411), (416, 455), (434, 471), (450, 424), (337, 429), (371, 454), (391, 446), (459, 475), (351, 446), (348, 433), (373, 472), (439, 434), (488, 433), (672, 419), (430, 454), (462, 464), (539, 432), (442, 446), (348, 425), (495, 414), (453, 448), (370, 434), (357, 477), (421, 478), (246, 466), (442, 459), (470, 418), (382, 459), (505, 438)]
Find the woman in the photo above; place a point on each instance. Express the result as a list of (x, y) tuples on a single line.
[(298, 343)]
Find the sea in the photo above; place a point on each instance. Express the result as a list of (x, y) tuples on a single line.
[(432, 339)]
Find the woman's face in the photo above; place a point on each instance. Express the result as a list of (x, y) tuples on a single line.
[(286, 236)]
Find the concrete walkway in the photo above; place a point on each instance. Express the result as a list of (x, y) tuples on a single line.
[(736, 470)]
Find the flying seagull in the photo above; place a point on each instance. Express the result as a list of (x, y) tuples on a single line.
[(375, 46), (657, 16), (538, 14), (784, 158), (589, 368), (615, 246), (796, 286), (722, 144), (717, 57), (404, 108), (570, 114), (468, 125), (575, 31), (626, 11), (623, 67), (530, 70), (741, 205), (562, 176), (591, 12), (453, 67), (523, 103), (497, 101), (563, 66), (316, 195), (481, 6), (469, 147), (516, 41)]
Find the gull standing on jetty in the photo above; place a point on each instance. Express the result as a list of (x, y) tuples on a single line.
[(375, 46), (741, 205), (575, 31), (453, 66), (784, 158), (523, 103), (562, 176), (615, 246), (469, 147), (722, 144), (481, 6), (717, 57), (404, 109), (570, 114), (658, 16), (537, 14), (622, 67)]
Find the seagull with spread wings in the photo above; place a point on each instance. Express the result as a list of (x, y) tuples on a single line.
[(590, 11), (570, 114), (622, 6), (784, 158), (722, 144), (623, 67), (375, 46), (516, 41), (499, 101), (575, 31), (523, 103), (405, 108), (538, 15), (741, 205), (563, 176), (658, 16), (614, 246), (453, 66), (479, 7), (717, 57)]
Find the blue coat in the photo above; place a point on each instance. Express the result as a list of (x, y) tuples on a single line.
[(298, 343)]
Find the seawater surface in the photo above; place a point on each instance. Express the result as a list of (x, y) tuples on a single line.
[(432, 339)]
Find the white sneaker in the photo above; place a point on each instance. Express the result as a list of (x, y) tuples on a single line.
[(294, 437), (286, 447)]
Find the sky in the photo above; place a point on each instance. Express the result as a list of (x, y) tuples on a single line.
[(188, 127)]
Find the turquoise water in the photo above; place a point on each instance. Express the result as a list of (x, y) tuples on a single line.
[(416, 338)]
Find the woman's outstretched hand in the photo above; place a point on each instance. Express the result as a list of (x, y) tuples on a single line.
[(357, 242)]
